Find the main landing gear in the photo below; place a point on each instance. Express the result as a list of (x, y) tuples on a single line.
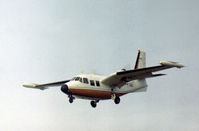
[(115, 98), (94, 103)]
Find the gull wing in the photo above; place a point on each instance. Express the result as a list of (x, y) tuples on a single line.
[(46, 85), (118, 79)]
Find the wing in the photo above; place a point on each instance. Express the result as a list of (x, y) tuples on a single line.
[(46, 85), (121, 77)]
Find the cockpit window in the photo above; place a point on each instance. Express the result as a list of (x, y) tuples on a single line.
[(85, 80), (77, 78), (73, 78)]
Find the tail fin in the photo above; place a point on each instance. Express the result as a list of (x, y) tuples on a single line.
[(140, 63), (141, 60)]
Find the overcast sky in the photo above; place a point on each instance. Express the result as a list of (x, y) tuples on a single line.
[(50, 40)]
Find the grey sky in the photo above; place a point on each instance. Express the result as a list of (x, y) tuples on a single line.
[(48, 40)]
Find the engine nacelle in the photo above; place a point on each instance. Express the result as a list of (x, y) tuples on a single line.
[(64, 88)]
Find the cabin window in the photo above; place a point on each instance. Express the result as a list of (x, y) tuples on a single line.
[(92, 82), (80, 79), (85, 80), (97, 83)]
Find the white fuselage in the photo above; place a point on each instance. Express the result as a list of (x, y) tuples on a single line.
[(95, 89)]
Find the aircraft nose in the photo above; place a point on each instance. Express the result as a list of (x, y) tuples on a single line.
[(64, 88)]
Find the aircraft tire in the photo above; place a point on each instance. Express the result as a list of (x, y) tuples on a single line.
[(117, 100), (93, 104), (70, 100)]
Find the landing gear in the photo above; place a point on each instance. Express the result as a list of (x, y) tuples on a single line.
[(94, 103), (117, 100), (71, 98)]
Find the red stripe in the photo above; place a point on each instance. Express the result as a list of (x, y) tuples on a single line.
[(94, 93)]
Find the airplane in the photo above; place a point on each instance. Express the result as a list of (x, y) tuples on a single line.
[(96, 88)]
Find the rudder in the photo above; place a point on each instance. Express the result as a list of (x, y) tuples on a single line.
[(141, 60)]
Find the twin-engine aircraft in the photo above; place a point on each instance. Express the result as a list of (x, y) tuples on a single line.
[(96, 88)]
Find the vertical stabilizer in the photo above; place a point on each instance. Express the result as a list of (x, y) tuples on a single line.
[(141, 84), (141, 60)]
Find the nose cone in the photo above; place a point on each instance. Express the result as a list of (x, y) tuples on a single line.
[(64, 88)]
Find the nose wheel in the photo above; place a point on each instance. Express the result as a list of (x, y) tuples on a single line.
[(71, 98)]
